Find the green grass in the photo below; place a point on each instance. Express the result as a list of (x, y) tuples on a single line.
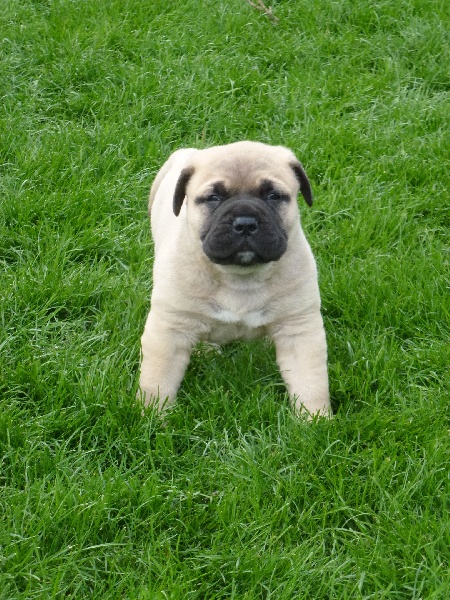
[(234, 498)]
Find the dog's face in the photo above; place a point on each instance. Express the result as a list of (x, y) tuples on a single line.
[(242, 201)]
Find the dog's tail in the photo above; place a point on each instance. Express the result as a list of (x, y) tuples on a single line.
[(177, 158)]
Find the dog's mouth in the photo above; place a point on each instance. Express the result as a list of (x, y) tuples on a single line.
[(243, 258), (246, 252), (247, 257)]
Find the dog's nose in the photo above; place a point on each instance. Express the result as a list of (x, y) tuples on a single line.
[(245, 225)]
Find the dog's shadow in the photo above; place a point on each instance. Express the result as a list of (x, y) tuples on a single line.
[(235, 376)]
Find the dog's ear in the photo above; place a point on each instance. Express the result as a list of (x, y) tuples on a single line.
[(305, 186), (180, 189)]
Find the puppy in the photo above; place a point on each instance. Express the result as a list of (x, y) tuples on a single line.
[(232, 262)]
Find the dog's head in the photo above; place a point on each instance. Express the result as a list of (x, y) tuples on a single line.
[(242, 201)]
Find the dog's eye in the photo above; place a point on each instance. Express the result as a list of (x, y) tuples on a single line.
[(274, 196), (213, 198)]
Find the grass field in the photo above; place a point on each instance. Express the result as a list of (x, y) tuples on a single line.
[(234, 498)]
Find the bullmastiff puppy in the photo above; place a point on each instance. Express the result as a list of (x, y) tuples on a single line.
[(232, 262)]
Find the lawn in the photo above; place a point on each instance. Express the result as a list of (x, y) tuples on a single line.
[(233, 497)]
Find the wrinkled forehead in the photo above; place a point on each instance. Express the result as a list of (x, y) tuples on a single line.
[(243, 171)]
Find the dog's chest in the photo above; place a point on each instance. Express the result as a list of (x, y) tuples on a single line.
[(251, 319), (236, 322)]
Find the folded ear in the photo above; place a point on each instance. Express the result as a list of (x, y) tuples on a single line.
[(180, 189), (305, 186)]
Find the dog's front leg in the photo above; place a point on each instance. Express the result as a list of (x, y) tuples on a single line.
[(302, 358), (166, 351)]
